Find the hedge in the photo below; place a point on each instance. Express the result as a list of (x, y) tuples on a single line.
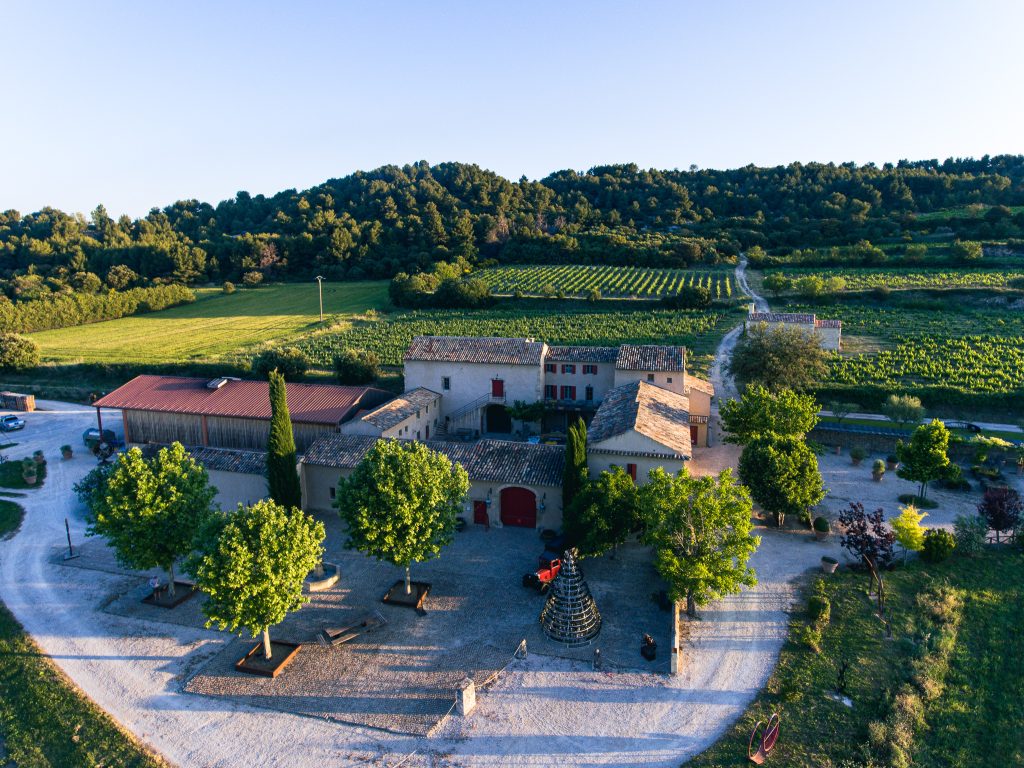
[(72, 309)]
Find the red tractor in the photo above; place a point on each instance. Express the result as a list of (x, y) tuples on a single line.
[(541, 580)]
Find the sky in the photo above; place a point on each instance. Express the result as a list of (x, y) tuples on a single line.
[(137, 104)]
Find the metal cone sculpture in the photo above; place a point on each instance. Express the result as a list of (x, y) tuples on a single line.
[(570, 615)]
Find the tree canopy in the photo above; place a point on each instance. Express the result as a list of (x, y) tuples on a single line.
[(925, 458), (150, 509), (603, 513), (400, 503), (782, 475), (761, 412), (255, 566), (778, 358), (575, 473), (700, 529)]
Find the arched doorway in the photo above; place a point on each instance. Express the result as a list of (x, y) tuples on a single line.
[(497, 419), (519, 507)]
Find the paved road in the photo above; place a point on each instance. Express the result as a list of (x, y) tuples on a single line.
[(983, 424)]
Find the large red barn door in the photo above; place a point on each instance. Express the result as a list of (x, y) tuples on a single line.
[(519, 507)]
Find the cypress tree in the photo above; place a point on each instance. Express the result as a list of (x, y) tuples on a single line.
[(282, 477), (574, 476)]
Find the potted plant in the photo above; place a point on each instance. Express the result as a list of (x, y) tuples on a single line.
[(857, 455), (891, 462), (829, 564), (821, 528), (839, 450), (29, 473), (38, 457), (66, 452), (878, 470)]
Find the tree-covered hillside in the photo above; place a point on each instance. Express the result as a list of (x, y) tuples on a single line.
[(392, 219)]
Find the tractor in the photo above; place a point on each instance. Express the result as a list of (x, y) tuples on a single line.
[(542, 578)]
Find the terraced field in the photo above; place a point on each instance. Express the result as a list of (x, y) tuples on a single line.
[(613, 282), (214, 326)]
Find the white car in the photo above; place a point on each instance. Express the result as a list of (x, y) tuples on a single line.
[(10, 422)]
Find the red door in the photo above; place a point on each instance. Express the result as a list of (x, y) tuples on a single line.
[(480, 516), (497, 387), (518, 507), (693, 435)]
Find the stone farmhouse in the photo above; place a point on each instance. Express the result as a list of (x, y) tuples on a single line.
[(642, 407), (829, 331)]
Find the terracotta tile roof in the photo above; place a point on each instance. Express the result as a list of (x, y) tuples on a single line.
[(656, 413), (488, 461), (582, 354), (307, 403), (227, 460), (401, 408), (476, 349), (780, 317), (650, 357), (692, 382), (828, 323)]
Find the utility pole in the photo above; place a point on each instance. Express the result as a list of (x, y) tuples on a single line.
[(320, 286)]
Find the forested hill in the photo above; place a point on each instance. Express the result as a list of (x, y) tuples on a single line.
[(377, 223)]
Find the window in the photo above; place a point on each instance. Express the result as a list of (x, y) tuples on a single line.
[(590, 393), (568, 393), (669, 380), (550, 368), (590, 369), (428, 431), (631, 471), (568, 369), (446, 382), (417, 434), (650, 377), (332, 492), (550, 391)]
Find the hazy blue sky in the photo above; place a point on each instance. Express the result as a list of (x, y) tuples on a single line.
[(137, 104)]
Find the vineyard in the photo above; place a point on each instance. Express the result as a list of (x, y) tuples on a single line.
[(612, 282), (901, 279), (389, 336), (970, 350)]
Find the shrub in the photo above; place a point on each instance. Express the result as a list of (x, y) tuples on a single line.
[(689, 297), (810, 636), (970, 532), (593, 295), (290, 362), (252, 279), (938, 545), (819, 607), (821, 524), (17, 353), (356, 366), (858, 454), (229, 287), (917, 501), (1002, 509), (878, 467)]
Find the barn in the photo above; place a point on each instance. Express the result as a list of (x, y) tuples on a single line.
[(230, 413), (513, 484)]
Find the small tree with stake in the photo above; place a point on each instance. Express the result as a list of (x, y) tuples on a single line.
[(865, 535), (400, 503), (150, 509), (925, 458), (1002, 509), (255, 566)]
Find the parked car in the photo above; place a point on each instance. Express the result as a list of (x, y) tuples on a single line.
[(10, 422)]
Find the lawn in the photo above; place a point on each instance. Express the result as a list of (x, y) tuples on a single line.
[(956, 659), (11, 475), (214, 326), (44, 719)]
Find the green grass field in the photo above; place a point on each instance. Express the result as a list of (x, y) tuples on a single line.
[(956, 650), (214, 326)]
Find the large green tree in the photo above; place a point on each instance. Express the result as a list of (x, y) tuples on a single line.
[(700, 529), (283, 483), (761, 412), (782, 475), (150, 509), (779, 358), (926, 457), (400, 503), (903, 409), (255, 566), (575, 473), (603, 514)]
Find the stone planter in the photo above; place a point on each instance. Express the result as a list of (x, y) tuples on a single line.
[(29, 479), (821, 535), (877, 476), (68, 454), (254, 662), (839, 450), (857, 462), (892, 466), (829, 564)]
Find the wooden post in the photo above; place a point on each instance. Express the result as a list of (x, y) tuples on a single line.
[(676, 666)]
